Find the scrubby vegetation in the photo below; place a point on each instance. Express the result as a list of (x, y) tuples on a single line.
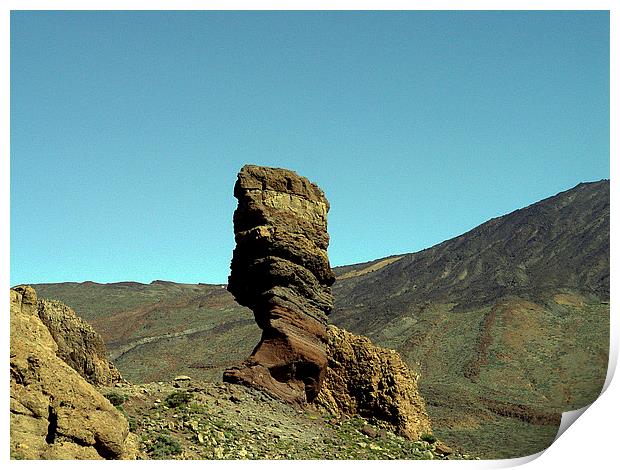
[(224, 421), (162, 446), (178, 399), (117, 399)]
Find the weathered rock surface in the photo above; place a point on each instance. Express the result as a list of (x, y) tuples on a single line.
[(79, 345), (55, 413), (373, 382), (281, 271)]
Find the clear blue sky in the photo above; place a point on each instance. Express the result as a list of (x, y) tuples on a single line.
[(128, 128)]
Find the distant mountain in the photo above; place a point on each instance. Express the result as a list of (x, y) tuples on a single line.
[(159, 330), (508, 324), (561, 242)]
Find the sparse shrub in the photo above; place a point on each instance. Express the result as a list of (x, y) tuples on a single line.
[(117, 399), (163, 446), (177, 399), (132, 423), (195, 408), (428, 438)]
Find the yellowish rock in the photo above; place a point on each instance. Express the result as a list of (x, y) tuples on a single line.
[(56, 413), (371, 381)]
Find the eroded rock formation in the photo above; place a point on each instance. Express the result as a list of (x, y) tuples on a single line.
[(281, 271), (55, 413), (373, 382), (79, 345)]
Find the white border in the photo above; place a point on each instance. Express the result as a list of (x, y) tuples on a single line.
[(589, 444)]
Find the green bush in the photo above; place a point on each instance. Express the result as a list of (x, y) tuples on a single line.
[(116, 398), (177, 399), (163, 446), (428, 438)]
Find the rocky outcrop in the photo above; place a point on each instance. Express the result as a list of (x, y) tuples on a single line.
[(281, 271), (79, 345), (373, 382), (55, 413)]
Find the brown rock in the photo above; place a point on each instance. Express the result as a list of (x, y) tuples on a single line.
[(373, 382), (442, 448), (369, 431), (79, 345), (55, 413), (281, 271)]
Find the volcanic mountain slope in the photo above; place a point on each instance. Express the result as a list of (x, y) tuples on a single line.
[(560, 242), (509, 319), (508, 324)]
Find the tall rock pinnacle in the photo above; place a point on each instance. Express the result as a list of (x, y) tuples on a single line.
[(281, 271)]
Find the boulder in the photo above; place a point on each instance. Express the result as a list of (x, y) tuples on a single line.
[(79, 345), (373, 382), (55, 412), (280, 270)]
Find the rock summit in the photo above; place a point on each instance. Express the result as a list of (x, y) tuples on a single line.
[(280, 270)]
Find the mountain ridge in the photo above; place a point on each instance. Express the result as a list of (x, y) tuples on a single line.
[(341, 268), (515, 278)]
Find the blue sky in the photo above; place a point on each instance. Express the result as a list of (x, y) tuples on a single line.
[(128, 128)]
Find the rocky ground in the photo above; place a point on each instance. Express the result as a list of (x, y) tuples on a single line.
[(186, 419)]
